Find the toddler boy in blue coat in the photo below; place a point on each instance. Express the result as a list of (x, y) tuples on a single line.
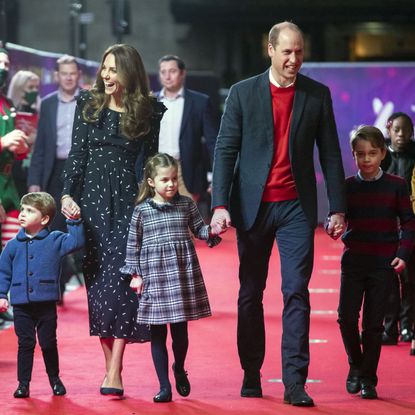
[(30, 268)]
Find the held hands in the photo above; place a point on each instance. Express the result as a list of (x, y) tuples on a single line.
[(4, 305), (70, 208), (398, 265), (137, 284), (221, 221), (335, 225), (15, 141)]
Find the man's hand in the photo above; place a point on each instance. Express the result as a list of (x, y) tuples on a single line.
[(336, 225), (221, 221), (398, 265)]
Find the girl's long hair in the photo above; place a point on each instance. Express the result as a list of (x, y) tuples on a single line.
[(136, 97), (150, 172)]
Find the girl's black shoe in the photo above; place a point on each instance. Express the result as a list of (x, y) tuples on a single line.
[(163, 396), (182, 382)]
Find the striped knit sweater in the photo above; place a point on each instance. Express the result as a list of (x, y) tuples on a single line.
[(380, 222)]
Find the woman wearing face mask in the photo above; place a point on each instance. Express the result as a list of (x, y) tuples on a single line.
[(24, 93)]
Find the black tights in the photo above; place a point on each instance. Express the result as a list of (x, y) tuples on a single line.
[(180, 343)]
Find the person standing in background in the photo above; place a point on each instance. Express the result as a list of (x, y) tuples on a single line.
[(52, 145), (188, 129)]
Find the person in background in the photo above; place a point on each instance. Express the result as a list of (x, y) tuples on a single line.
[(30, 271), (188, 129), (264, 179), (116, 127), (52, 145), (24, 93), (400, 160), (13, 146), (378, 241)]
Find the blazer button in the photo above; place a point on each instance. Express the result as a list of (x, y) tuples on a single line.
[(30, 289)]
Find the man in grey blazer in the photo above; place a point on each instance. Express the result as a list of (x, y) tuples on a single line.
[(264, 182)]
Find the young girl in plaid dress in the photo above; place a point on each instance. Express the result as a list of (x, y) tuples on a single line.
[(162, 260)]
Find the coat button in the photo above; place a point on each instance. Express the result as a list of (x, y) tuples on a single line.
[(30, 289), (30, 273), (30, 256), (30, 242)]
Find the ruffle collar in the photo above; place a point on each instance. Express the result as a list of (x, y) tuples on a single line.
[(163, 207)]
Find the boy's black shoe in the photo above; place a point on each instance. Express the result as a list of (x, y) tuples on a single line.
[(251, 385), (368, 391), (22, 391), (353, 384), (182, 382), (388, 340), (407, 335), (58, 388), (297, 396)]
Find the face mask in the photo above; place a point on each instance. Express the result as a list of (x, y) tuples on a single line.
[(30, 97), (4, 73)]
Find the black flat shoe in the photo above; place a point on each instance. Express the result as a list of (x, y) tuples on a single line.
[(251, 385), (297, 396), (22, 391), (163, 396), (58, 388), (112, 391), (368, 391), (182, 382)]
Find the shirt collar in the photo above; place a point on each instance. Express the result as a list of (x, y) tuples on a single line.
[(275, 83), (73, 98), (180, 94), (377, 177)]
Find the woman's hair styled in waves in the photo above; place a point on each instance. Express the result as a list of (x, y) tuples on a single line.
[(136, 99)]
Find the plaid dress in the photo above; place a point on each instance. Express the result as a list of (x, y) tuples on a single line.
[(160, 249)]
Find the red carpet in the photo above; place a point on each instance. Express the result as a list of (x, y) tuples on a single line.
[(213, 363)]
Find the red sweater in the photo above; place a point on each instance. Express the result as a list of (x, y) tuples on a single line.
[(280, 184)]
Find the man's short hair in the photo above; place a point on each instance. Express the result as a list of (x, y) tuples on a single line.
[(179, 61), (65, 60), (275, 31)]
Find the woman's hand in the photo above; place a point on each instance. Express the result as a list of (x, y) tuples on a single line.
[(70, 208), (137, 284), (15, 141)]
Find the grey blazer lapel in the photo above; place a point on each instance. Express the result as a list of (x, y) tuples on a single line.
[(265, 100), (298, 107)]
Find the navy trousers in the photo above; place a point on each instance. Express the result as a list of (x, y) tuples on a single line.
[(29, 319), (286, 223)]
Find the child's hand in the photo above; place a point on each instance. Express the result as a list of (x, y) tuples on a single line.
[(137, 284), (398, 265), (4, 305)]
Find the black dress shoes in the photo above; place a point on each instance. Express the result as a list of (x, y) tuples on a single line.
[(163, 396), (182, 382), (297, 396), (58, 388), (368, 391), (112, 391), (406, 335), (22, 391), (251, 385)]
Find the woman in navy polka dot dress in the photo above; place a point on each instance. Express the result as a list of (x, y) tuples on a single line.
[(115, 130)]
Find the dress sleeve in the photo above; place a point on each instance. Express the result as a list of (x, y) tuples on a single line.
[(198, 227), (76, 162), (134, 242)]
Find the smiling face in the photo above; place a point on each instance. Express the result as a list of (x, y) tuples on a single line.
[(111, 78), (32, 219), (165, 184), (368, 158), (287, 56)]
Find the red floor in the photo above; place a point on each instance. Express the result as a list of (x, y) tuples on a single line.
[(212, 363)]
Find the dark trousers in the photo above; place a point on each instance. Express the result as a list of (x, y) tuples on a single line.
[(29, 319), (180, 344), (285, 222), (369, 288), (400, 311)]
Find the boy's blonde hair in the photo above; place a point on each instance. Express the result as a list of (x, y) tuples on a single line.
[(42, 201), (368, 133), (150, 172)]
